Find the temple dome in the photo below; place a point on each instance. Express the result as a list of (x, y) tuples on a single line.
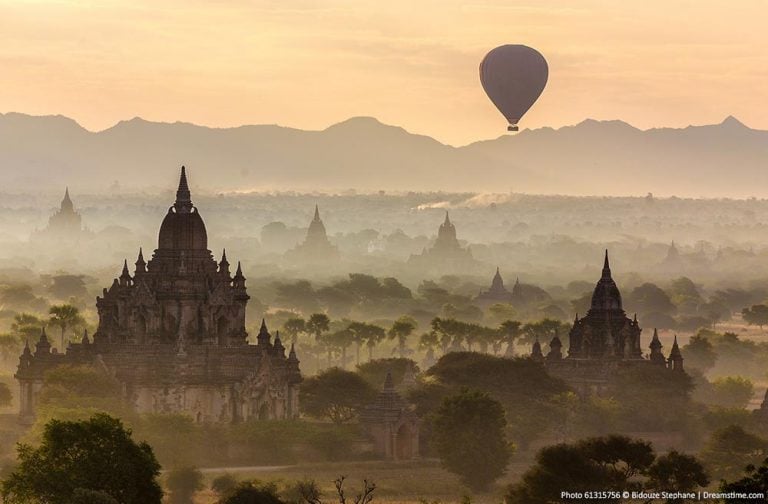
[(606, 295), (182, 227)]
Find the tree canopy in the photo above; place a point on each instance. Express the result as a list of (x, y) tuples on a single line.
[(95, 455), (612, 463), (336, 394), (469, 436)]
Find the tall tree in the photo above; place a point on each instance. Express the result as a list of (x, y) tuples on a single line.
[(401, 330), (9, 347), (294, 327), (317, 325), (96, 455), (469, 436), (374, 335), (27, 327), (342, 340), (511, 329)]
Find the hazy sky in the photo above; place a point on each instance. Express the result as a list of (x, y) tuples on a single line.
[(311, 63)]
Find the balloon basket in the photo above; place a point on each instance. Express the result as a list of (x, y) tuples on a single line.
[(513, 127)]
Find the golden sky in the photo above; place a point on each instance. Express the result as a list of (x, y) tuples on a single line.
[(311, 63)]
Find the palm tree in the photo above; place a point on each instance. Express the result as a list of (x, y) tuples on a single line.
[(65, 316), (358, 332), (486, 336), (317, 325), (369, 334), (373, 337), (342, 340), (428, 342), (9, 346), (511, 329), (401, 330), (27, 326), (446, 331), (293, 327)]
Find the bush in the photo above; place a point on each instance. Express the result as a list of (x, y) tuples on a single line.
[(223, 484), (183, 483), (253, 493)]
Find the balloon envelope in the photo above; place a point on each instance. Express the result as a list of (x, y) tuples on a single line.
[(513, 77)]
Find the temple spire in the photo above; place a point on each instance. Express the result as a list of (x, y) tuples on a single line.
[(263, 338), (317, 214), (292, 356), (224, 264), (655, 342), (238, 281), (66, 203), (278, 347), (675, 357), (125, 276), (389, 383), (447, 221), (141, 264), (183, 196), (497, 283), (606, 266)]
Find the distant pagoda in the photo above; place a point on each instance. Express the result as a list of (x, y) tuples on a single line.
[(497, 293), (316, 248), (65, 224), (446, 254)]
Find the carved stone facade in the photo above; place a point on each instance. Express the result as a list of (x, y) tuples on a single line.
[(173, 334), (603, 342)]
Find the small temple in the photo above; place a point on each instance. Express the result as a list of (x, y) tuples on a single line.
[(392, 424)]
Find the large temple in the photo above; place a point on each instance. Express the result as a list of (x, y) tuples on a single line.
[(173, 334), (602, 342)]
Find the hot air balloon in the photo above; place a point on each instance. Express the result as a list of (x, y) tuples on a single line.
[(513, 77)]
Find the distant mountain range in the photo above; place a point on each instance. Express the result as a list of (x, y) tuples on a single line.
[(590, 158)]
